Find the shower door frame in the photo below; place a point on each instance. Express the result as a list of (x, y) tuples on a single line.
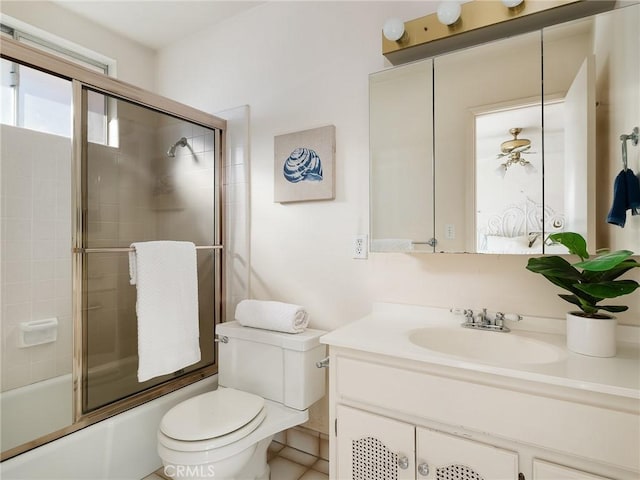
[(80, 78)]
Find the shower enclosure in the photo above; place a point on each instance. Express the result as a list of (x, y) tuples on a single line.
[(130, 167)]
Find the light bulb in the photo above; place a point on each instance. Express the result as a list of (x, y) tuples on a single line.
[(449, 12), (530, 169), (511, 3), (393, 29), (501, 171)]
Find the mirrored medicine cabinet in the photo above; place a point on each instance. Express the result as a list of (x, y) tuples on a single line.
[(492, 148)]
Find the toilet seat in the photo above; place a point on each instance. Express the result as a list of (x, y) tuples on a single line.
[(274, 418), (212, 420)]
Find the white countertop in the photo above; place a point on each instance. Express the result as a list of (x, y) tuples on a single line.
[(387, 328)]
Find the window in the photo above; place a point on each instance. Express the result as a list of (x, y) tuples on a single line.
[(35, 100), (39, 101), (50, 47)]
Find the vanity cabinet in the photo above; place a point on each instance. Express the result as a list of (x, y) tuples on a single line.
[(442, 456), (375, 447), (549, 471), (405, 419)]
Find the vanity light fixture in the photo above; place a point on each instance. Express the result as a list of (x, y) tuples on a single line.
[(458, 25), (449, 12)]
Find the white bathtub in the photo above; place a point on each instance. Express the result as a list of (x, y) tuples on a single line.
[(34, 410), (121, 447)]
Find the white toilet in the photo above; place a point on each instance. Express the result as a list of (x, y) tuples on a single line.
[(267, 381)]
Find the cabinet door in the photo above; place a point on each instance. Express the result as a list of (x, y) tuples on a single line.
[(552, 471), (442, 456), (371, 447)]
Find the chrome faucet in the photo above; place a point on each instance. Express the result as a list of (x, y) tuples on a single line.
[(482, 318), (483, 321)]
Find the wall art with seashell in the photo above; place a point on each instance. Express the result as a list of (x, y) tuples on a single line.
[(304, 166)]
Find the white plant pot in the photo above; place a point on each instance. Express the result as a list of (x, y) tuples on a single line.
[(595, 337)]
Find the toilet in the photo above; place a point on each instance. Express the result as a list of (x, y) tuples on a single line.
[(266, 382)]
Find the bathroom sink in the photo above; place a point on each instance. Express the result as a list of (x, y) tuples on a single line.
[(484, 346)]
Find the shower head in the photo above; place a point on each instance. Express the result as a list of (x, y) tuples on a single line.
[(180, 143)]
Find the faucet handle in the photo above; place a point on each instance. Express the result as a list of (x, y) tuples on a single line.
[(469, 316), (501, 317), (467, 312)]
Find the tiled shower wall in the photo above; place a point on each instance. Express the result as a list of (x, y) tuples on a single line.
[(36, 252), (236, 208)]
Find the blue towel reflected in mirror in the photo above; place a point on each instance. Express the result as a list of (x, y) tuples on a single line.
[(626, 196)]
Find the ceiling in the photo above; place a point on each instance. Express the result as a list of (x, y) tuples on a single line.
[(156, 24)]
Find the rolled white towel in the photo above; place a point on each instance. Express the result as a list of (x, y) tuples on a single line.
[(269, 315)]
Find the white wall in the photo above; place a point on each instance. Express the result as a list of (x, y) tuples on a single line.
[(134, 62), (305, 64)]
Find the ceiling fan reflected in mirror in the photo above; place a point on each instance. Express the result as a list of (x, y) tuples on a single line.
[(513, 150)]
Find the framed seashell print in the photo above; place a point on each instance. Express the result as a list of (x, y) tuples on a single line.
[(304, 166)]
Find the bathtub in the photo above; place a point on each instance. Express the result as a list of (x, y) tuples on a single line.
[(34, 410), (120, 447)]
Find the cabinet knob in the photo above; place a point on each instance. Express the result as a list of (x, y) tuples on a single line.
[(403, 463), (423, 469)]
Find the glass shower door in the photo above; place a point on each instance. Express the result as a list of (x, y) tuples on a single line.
[(146, 176), (35, 255)]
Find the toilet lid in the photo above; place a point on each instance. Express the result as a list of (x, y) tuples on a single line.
[(211, 415)]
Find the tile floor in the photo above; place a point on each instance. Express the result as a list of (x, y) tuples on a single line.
[(286, 463)]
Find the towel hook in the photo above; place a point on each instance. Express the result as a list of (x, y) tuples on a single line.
[(633, 136)]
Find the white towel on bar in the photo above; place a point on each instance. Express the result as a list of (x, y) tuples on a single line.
[(166, 279), (269, 315)]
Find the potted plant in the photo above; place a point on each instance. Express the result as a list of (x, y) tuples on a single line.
[(590, 281)]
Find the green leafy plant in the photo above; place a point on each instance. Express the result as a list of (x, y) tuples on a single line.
[(591, 280)]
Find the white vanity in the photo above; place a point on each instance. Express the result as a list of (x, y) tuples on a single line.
[(415, 396)]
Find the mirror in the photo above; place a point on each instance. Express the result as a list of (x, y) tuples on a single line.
[(402, 208), (607, 67), (511, 162), (481, 93)]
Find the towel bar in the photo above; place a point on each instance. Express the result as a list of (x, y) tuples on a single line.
[(324, 363), (633, 136), (130, 249)]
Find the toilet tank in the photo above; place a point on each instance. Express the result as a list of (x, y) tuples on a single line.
[(277, 366)]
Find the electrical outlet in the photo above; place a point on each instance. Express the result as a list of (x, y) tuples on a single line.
[(360, 246), (449, 231)]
